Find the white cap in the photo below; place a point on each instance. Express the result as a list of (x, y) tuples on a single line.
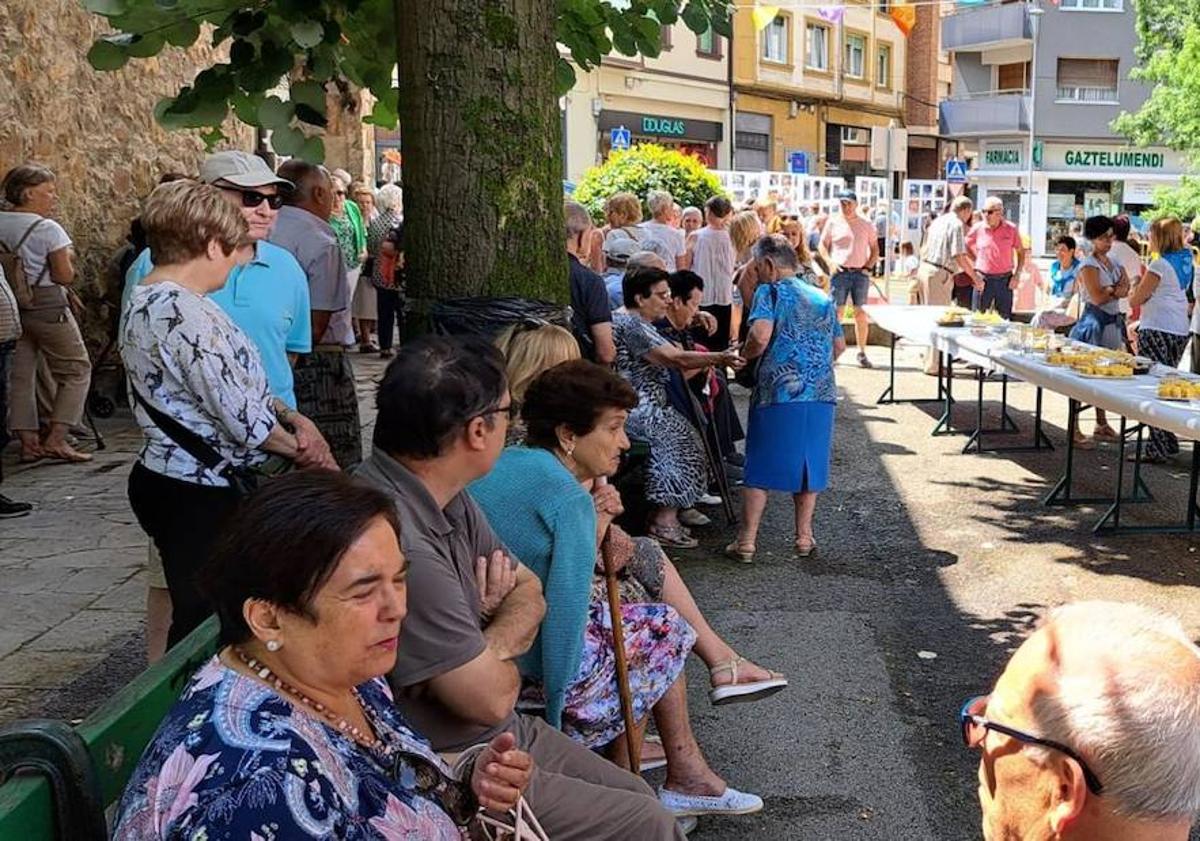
[(241, 169)]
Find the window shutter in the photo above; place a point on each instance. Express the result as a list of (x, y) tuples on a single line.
[(1087, 73)]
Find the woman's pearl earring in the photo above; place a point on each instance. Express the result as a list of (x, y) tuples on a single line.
[(274, 645)]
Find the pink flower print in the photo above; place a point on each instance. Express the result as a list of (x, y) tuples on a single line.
[(422, 822), (210, 674), (172, 792)]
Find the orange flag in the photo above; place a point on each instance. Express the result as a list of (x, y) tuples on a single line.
[(904, 15)]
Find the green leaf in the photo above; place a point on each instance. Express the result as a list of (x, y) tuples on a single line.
[(564, 76), (312, 151), (246, 107), (212, 137), (183, 33), (145, 46), (287, 141), (384, 113), (309, 93), (274, 113), (105, 55), (695, 15), (308, 33), (108, 8)]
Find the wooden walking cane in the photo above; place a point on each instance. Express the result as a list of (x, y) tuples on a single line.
[(633, 744)]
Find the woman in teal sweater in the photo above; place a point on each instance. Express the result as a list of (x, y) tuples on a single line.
[(535, 501)]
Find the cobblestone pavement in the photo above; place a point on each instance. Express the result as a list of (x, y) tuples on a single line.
[(71, 588)]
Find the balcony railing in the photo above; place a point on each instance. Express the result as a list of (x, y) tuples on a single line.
[(993, 25), (992, 112)]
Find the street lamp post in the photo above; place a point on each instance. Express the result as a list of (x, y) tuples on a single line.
[(1035, 14)]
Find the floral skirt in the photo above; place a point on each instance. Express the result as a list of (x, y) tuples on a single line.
[(657, 642)]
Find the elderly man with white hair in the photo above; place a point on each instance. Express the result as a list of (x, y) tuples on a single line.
[(662, 226), (1093, 731), (995, 243)]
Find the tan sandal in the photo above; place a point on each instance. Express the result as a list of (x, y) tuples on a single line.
[(736, 693), (738, 552)]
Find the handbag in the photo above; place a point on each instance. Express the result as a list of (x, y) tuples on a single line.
[(242, 480), (748, 375)]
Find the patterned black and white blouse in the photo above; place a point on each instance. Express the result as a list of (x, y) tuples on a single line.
[(189, 360)]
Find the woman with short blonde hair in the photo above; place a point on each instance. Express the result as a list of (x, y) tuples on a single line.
[(530, 348), (1163, 326)]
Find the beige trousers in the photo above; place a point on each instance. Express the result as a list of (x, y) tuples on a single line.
[(56, 337), (936, 286)]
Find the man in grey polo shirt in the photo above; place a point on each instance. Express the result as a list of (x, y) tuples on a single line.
[(444, 410), (324, 378)]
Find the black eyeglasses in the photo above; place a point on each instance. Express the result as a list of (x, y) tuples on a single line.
[(993, 210), (975, 727), (512, 410), (253, 198)]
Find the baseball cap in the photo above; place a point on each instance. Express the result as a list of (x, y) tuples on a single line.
[(620, 246), (241, 169), (848, 195)]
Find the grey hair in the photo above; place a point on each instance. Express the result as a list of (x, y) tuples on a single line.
[(645, 260), (24, 177), (692, 210), (390, 197), (577, 218), (661, 203), (305, 176), (777, 249), (343, 176), (1135, 722), (961, 203)]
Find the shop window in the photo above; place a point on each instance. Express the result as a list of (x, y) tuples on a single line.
[(1089, 80), (752, 141), (816, 43), (883, 65), (775, 41), (708, 44), (1093, 5), (856, 56)]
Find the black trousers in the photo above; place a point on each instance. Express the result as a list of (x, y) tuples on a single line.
[(185, 521), (391, 316), (723, 313), (6, 353)]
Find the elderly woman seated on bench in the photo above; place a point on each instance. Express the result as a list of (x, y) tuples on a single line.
[(677, 475), (575, 415), (290, 731)]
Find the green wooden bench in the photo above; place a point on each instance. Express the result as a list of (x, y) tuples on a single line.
[(56, 781)]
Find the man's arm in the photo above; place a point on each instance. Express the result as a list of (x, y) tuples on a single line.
[(1022, 255), (823, 250), (515, 623), (483, 691), (320, 323)]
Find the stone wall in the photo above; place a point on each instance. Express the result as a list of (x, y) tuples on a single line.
[(95, 130)]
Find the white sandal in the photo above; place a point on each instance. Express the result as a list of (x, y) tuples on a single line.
[(736, 693)]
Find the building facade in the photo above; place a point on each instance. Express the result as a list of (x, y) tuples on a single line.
[(808, 90), (680, 100), (1057, 109), (928, 78)]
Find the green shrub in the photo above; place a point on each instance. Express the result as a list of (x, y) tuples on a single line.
[(641, 169), (1182, 202)]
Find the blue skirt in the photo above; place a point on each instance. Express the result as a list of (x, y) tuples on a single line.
[(788, 447)]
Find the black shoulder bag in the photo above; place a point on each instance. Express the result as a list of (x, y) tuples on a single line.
[(243, 480), (747, 377)]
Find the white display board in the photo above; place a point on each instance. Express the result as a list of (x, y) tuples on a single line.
[(872, 192), (790, 191), (920, 198)]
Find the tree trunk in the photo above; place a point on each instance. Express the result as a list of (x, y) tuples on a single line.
[(482, 149)]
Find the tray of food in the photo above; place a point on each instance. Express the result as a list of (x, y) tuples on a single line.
[(1178, 389), (1111, 371), (953, 317)]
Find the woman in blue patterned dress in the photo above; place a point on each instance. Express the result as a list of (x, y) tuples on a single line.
[(794, 327), (676, 476), (289, 732), (536, 500)]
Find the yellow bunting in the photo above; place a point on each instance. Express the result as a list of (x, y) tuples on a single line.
[(763, 15)]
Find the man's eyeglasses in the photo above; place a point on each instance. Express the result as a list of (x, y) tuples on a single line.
[(512, 410), (253, 198), (975, 727), (993, 210)]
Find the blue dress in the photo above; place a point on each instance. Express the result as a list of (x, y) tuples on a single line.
[(235, 760), (790, 436)]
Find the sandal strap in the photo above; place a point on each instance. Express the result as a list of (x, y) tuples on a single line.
[(731, 665)]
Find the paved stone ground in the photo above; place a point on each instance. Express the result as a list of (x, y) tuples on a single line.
[(921, 549)]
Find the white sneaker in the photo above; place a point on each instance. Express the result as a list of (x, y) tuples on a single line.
[(692, 517), (709, 499), (732, 802)]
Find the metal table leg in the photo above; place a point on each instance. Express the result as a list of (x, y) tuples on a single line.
[(889, 398)]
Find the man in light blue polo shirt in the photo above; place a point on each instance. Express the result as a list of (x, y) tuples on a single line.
[(267, 297)]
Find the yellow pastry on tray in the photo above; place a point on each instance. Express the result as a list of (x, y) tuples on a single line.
[(1179, 389)]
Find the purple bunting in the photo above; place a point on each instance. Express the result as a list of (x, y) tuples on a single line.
[(833, 14)]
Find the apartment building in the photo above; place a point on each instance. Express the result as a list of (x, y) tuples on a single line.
[(680, 100), (809, 84), (1080, 83)]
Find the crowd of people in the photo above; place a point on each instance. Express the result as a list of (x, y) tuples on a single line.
[(419, 638)]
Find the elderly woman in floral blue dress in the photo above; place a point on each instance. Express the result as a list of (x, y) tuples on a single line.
[(794, 328), (289, 732)]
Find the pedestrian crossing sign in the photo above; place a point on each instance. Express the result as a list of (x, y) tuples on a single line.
[(956, 171), (620, 138)]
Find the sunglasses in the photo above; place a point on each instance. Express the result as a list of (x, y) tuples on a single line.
[(975, 727), (993, 210), (253, 198)]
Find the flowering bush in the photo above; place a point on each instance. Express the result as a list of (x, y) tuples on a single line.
[(641, 169)]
